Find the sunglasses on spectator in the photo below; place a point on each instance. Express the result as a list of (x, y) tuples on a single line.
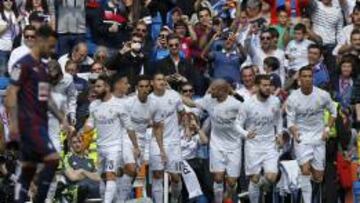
[(265, 38), (163, 36), (174, 45), (136, 41), (187, 90), (29, 36), (141, 30)]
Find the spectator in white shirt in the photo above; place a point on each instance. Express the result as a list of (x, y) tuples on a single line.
[(354, 46), (345, 34), (29, 35), (297, 49)]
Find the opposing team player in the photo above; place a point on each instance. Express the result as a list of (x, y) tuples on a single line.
[(261, 117), (305, 111), (27, 101), (110, 118), (166, 153)]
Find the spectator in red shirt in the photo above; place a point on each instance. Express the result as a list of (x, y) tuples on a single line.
[(182, 29)]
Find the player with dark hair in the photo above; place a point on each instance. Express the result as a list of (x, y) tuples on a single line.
[(28, 101)]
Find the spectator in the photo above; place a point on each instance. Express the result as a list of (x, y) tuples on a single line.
[(161, 50), (177, 70), (228, 60), (79, 55), (130, 60), (283, 27), (71, 23), (345, 34), (354, 46), (182, 28), (327, 22), (41, 8), (36, 19), (136, 11), (321, 76), (271, 65), (81, 171), (310, 34), (259, 54), (101, 54), (142, 30), (9, 29), (247, 75), (81, 84), (343, 84), (29, 40), (296, 50)]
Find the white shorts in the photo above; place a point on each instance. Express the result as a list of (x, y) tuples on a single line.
[(313, 153), (128, 153), (173, 154), (110, 159), (256, 159), (225, 161), (55, 139)]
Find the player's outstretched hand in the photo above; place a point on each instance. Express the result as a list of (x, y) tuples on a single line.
[(251, 135)]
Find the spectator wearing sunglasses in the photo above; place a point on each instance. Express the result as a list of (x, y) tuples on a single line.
[(29, 35), (176, 69)]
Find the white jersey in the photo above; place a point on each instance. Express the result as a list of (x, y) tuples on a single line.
[(142, 114), (189, 145), (223, 116), (262, 117), (298, 52), (53, 123), (307, 113), (170, 104), (111, 121)]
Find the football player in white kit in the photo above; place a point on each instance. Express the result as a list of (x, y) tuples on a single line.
[(225, 138), (305, 110), (109, 116), (142, 110), (261, 116), (165, 150)]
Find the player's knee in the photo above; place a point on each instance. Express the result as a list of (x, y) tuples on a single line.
[(175, 178), (255, 179), (130, 170), (271, 177), (306, 169), (231, 182), (110, 176), (318, 177), (158, 174), (218, 178)]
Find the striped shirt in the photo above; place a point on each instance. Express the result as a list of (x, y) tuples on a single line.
[(327, 21)]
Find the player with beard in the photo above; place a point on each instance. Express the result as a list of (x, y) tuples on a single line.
[(261, 121), (165, 149), (142, 110), (28, 101), (305, 117), (109, 116)]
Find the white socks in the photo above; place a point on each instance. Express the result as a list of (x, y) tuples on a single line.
[(158, 190), (110, 190), (306, 188), (254, 192), (176, 191), (218, 192), (124, 187)]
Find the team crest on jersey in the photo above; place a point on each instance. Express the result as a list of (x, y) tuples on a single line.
[(15, 73)]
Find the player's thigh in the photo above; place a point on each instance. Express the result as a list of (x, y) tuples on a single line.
[(233, 163), (173, 163), (304, 153), (155, 161), (270, 163), (217, 161), (253, 161)]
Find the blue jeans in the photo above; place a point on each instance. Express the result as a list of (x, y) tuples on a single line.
[(4, 57), (67, 41)]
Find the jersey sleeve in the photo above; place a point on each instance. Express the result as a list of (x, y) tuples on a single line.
[(278, 116), (125, 119), (18, 75), (330, 105), (241, 120), (290, 112)]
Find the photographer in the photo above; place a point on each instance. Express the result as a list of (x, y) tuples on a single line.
[(130, 60)]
